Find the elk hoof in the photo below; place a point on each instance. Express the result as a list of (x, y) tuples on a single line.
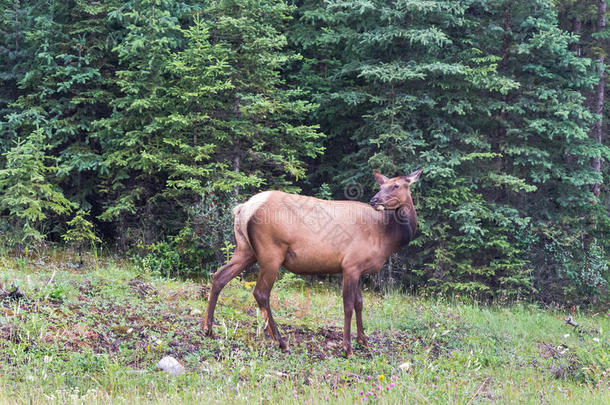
[(284, 346), (348, 352), (363, 342), (208, 332)]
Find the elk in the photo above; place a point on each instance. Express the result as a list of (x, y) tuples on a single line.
[(310, 236)]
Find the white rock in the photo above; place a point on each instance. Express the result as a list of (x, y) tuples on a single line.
[(171, 366)]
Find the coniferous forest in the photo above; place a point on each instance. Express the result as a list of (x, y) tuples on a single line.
[(135, 126)]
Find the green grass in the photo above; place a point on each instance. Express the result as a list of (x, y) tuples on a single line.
[(94, 335)]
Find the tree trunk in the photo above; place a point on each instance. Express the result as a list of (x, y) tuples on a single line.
[(598, 106), (236, 158), (236, 163), (577, 29), (507, 37)]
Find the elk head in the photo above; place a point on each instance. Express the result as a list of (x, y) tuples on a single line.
[(394, 192)]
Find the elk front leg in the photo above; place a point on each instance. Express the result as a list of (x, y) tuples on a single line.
[(361, 337), (350, 285)]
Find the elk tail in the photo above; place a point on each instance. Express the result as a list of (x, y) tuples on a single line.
[(243, 214)]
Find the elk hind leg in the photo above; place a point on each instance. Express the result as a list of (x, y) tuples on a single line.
[(266, 278), (242, 258)]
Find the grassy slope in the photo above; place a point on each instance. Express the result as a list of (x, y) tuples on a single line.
[(71, 341)]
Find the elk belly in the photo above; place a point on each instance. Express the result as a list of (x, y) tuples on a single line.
[(309, 260)]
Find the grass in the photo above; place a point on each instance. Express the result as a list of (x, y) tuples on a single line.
[(95, 334)]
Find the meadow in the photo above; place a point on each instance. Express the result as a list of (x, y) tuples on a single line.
[(94, 334)]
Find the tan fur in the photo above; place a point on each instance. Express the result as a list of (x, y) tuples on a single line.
[(307, 235)]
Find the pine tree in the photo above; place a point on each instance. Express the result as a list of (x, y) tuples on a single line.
[(199, 78), (486, 96), (80, 233), (65, 91), (262, 119), (131, 138), (26, 192), (14, 23), (203, 108), (61, 90)]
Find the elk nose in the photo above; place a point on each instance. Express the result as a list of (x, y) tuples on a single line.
[(374, 200)]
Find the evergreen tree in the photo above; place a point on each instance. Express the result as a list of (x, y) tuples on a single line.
[(64, 91), (261, 119), (80, 232), (130, 137), (486, 97), (14, 23), (203, 108), (27, 193)]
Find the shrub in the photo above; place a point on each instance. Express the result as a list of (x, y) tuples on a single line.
[(201, 246)]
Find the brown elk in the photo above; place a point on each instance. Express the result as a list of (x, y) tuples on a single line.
[(310, 236)]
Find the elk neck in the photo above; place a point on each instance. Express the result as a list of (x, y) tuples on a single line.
[(402, 224)]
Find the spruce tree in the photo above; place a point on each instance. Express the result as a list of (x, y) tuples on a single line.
[(26, 192), (202, 109), (261, 120), (130, 138), (486, 96), (14, 23), (80, 233)]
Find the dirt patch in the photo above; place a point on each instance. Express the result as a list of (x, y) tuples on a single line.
[(141, 288), (151, 328), (563, 362), (10, 332), (88, 289), (328, 341), (14, 295)]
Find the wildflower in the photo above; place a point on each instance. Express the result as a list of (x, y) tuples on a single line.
[(381, 378), (436, 377), (387, 387), (378, 387), (392, 385)]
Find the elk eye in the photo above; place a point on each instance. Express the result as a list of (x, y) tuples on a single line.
[(396, 186)]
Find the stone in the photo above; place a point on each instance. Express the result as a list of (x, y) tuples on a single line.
[(171, 366)]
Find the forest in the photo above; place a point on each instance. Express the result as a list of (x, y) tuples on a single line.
[(133, 127)]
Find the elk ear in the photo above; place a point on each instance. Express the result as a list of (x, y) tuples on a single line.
[(412, 178), (379, 177)]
